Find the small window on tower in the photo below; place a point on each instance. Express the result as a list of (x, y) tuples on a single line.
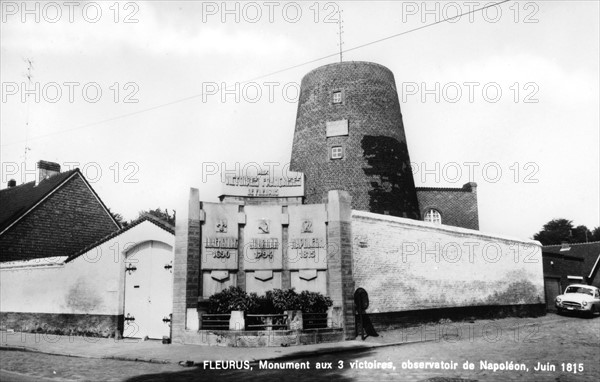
[(337, 152), (433, 216), (337, 97)]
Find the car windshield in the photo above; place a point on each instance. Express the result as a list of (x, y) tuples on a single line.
[(583, 290)]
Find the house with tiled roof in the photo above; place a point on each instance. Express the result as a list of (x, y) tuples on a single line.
[(56, 215), (68, 267), (569, 263)]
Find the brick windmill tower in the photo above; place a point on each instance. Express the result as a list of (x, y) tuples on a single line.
[(349, 136)]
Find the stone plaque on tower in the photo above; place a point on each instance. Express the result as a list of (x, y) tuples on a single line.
[(337, 128)]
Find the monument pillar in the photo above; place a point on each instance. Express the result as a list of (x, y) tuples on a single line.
[(340, 284), (186, 268)]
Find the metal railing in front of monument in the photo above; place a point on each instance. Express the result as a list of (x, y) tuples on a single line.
[(263, 321), (267, 322), (314, 320), (215, 321)]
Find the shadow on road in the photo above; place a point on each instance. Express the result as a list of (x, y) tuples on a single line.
[(197, 373)]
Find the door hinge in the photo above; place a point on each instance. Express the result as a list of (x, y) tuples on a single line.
[(130, 268)]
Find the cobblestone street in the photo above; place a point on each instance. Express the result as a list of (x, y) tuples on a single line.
[(561, 341)]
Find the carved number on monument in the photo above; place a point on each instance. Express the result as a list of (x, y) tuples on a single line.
[(264, 254), (222, 255), (308, 254)]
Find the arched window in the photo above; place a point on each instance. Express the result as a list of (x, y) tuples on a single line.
[(433, 216)]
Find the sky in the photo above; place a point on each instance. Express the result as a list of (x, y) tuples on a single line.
[(151, 98)]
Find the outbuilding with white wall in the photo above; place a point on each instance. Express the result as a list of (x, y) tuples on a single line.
[(120, 285)]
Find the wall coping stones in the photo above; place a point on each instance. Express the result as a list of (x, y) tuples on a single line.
[(426, 226)]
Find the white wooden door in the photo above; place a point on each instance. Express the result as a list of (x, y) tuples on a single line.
[(148, 290)]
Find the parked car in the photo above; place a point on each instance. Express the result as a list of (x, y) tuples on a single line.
[(579, 298)]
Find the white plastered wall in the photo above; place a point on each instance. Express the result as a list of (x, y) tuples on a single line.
[(93, 283)]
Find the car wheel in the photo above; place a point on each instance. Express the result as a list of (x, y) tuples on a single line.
[(593, 310)]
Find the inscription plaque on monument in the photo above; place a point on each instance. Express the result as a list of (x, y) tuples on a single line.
[(307, 238), (220, 236), (264, 184), (263, 238)]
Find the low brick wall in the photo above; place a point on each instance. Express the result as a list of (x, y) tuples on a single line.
[(91, 325), (263, 338), (406, 319)]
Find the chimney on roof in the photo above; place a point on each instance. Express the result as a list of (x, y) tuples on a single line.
[(46, 170), (471, 186), (12, 183)]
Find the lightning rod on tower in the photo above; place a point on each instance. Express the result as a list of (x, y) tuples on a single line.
[(340, 32), (29, 76)]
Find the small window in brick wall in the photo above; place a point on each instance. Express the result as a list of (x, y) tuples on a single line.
[(433, 216), (337, 152), (337, 97)]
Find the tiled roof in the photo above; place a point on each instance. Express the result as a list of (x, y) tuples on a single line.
[(575, 249), (589, 252), (16, 201), (146, 217)]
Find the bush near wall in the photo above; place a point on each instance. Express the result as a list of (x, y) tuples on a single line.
[(275, 301)]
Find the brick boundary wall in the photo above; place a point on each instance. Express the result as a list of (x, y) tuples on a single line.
[(411, 274)]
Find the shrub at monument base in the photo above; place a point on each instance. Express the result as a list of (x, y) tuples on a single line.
[(275, 301)]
